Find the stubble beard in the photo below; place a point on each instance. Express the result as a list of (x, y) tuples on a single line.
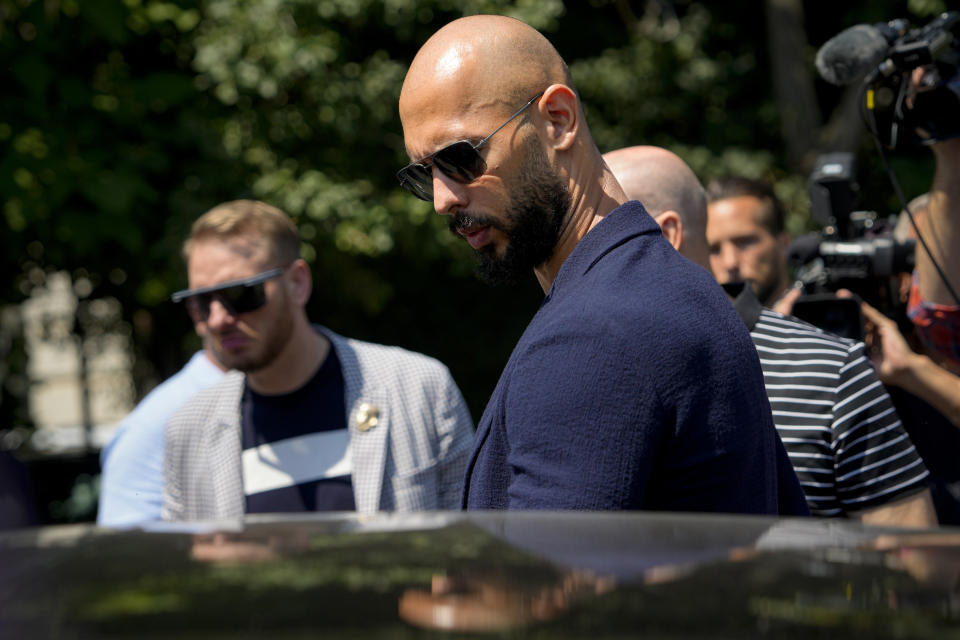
[(768, 290), (273, 340), (532, 223)]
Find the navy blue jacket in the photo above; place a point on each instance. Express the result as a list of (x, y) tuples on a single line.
[(635, 386)]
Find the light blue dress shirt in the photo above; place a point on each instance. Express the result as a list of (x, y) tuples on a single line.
[(131, 485)]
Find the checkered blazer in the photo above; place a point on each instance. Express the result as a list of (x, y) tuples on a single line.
[(410, 436)]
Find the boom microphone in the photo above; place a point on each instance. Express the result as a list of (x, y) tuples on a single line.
[(851, 54)]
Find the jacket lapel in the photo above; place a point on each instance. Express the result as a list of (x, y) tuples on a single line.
[(224, 455), (368, 420)]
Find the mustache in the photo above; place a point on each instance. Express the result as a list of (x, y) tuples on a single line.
[(463, 220)]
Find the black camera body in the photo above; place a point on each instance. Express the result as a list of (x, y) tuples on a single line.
[(854, 244), (855, 250), (906, 114)]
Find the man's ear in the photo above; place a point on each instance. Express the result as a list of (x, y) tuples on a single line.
[(559, 108), (672, 227), (301, 281)]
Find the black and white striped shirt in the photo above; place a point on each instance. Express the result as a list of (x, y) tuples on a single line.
[(836, 420)]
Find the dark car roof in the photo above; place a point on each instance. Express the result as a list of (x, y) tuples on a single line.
[(527, 574)]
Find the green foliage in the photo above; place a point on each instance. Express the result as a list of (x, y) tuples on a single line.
[(126, 120), (313, 89)]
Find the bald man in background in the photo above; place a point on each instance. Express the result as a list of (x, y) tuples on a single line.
[(842, 434), (670, 192), (609, 400)]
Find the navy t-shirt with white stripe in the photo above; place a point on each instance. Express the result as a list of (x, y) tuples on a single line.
[(296, 454)]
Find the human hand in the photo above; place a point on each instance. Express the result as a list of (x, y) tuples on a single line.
[(785, 304), (891, 355)]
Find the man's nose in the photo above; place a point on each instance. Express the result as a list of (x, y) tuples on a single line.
[(730, 258), (449, 196), (220, 316)]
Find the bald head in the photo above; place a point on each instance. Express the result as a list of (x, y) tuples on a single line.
[(481, 61), (664, 183)]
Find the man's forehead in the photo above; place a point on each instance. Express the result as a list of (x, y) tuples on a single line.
[(432, 125), (243, 246), (429, 139), (438, 70), (214, 260), (446, 98), (741, 206)]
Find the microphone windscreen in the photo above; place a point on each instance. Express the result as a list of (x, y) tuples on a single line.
[(851, 54)]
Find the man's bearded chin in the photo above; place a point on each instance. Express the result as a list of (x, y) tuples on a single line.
[(534, 219)]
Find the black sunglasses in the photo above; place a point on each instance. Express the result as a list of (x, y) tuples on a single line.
[(461, 161), (236, 296)]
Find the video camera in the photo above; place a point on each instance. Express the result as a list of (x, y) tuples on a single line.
[(906, 110), (855, 250)]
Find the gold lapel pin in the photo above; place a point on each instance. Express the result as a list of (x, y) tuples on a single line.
[(368, 416)]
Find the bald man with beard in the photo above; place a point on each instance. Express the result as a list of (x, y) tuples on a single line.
[(844, 439), (647, 400)]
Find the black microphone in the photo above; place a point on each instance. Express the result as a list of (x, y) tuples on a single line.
[(852, 54)]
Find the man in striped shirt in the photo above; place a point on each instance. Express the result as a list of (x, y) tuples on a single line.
[(840, 429)]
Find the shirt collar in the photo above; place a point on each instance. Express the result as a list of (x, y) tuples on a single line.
[(620, 225)]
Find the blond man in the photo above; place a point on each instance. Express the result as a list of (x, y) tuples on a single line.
[(307, 420)]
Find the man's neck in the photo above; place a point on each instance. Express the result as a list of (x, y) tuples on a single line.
[(594, 193), (299, 360)]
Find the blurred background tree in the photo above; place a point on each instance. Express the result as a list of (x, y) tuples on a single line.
[(123, 121)]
